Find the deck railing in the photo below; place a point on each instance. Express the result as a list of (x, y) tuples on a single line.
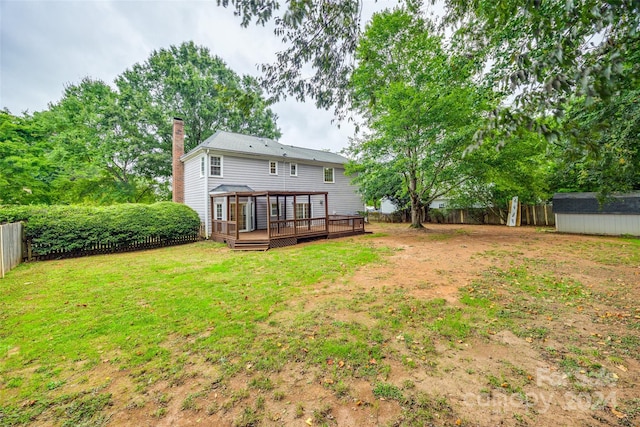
[(300, 227), (297, 227), (225, 228), (346, 223)]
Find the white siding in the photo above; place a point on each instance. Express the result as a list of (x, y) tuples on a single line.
[(343, 196), (598, 224), (194, 188)]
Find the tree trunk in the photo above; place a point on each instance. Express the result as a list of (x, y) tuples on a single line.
[(415, 201), (416, 215)]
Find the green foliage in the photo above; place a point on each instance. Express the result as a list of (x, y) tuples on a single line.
[(25, 169), (422, 108), (541, 54), (102, 145), (388, 391), (600, 145), (186, 81), (73, 228)]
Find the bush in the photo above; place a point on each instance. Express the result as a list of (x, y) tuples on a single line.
[(78, 228)]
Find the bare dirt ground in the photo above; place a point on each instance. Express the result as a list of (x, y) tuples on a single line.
[(563, 362)]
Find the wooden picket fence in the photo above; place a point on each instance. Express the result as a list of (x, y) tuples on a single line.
[(10, 246), (35, 252)]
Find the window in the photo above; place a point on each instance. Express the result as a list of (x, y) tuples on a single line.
[(273, 168), (303, 211), (274, 209), (219, 211), (293, 169), (328, 175), (216, 166), (203, 166)]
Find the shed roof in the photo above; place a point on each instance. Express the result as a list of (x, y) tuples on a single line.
[(264, 147), (588, 203)]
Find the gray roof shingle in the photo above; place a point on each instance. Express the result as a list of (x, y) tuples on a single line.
[(230, 188), (265, 147)]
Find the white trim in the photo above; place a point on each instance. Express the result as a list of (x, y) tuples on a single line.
[(221, 157), (309, 213), (333, 175), (274, 162), (207, 200), (220, 205)]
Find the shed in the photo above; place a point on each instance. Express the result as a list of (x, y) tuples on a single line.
[(584, 213)]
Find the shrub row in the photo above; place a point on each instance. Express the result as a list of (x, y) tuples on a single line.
[(77, 228)]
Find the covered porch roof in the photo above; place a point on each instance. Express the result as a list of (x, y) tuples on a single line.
[(244, 193)]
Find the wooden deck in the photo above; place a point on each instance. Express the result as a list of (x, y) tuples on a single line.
[(287, 232)]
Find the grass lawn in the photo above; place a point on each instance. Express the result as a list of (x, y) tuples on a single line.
[(199, 331)]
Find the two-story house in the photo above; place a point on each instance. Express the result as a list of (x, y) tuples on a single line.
[(260, 193)]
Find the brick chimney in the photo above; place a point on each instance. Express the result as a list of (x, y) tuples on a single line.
[(178, 166)]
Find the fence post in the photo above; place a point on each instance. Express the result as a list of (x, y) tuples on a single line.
[(546, 218), (2, 250)]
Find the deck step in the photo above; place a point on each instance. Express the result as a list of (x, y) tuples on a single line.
[(253, 245)]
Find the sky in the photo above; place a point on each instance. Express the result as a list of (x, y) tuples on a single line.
[(47, 44)]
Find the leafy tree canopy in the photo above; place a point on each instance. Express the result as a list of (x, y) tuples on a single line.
[(420, 104), (542, 55), (103, 144)]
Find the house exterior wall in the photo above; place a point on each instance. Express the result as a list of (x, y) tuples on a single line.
[(343, 196), (194, 188), (608, 224)]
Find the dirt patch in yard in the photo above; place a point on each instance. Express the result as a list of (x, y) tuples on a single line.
[(531, 327)]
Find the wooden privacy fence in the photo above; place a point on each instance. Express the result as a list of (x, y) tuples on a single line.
[(10, 246), (536, 215)]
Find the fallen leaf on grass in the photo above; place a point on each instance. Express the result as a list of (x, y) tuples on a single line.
[(617, 413)]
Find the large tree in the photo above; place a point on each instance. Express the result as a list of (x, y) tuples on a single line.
[(113, 144), (420, 105), (542, 52), (186, 81), (601, 145), (556, 46), (100, 157), (25, 171)]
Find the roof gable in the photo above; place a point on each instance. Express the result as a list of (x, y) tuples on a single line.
[(264, 147)]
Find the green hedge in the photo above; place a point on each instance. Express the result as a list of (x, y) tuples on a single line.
[(77, 228)]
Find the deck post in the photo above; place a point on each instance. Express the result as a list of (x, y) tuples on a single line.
[(237, 216), (326, 213), (213, 226), (309, 203), (295, 218), (269, 215)]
